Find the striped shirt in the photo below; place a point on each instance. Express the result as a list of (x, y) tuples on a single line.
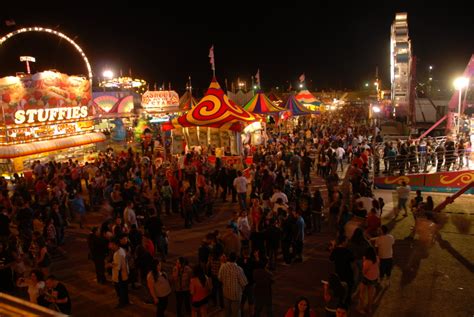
[(233, 280)]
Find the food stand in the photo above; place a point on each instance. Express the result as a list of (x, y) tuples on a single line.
[(45, 116)]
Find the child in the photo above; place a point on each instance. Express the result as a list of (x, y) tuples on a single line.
[(381, 204)]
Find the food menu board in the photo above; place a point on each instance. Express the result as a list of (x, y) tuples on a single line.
[(160, 101), (25, 134)]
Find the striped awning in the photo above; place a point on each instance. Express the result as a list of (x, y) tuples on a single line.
[(18, 150)]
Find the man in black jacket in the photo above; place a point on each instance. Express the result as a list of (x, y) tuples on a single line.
[(98, 248)]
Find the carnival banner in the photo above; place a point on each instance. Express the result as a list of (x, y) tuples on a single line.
[(160, 101), (44, 97), (447, 182)]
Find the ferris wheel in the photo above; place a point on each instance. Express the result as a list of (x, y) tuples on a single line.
[(55, 33)]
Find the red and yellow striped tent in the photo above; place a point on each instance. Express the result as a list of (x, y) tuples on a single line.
[(214, 110)]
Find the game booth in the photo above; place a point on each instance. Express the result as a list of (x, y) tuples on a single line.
[(262, 105), (45, 116), (213, 126), (293, 110), (114, 112)]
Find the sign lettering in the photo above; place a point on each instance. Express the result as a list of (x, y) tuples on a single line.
[(50, 114)]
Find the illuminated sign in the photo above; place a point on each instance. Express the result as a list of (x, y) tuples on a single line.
[(46, 131), (52, 114), (43, 105), (44, 97), (160, 101)]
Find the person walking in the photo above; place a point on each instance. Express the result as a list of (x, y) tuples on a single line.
[(240, 185), (403, 192), (233, 282)]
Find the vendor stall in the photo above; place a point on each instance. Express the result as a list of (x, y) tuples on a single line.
[(45, 115), (215, 121), (260, 104)]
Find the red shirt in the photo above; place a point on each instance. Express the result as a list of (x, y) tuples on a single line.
[(364, 156), (198, 291), (358, 161), (373, 223), (149, 247)]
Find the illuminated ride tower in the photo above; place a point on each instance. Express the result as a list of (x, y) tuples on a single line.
[(400, 65)]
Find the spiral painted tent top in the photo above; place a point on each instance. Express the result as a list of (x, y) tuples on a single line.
[(214, 110)]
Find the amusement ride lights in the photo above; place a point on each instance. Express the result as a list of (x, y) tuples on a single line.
[(54, 32)]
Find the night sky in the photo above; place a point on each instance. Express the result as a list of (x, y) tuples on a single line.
[(337, 46)]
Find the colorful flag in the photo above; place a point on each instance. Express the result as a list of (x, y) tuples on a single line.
[(302, 78), (211, 56), (257, 77), (10, 22)]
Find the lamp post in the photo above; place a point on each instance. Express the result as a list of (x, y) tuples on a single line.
[(459, 84)]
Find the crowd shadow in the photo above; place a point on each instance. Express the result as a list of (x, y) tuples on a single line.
[(446, 245), (408, 254), (462, 222), (392, 223)]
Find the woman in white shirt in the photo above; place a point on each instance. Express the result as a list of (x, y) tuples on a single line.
[(35, 285), (159, 287)]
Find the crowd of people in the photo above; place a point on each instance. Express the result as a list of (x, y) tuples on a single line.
[(277, 206), (421, 156)]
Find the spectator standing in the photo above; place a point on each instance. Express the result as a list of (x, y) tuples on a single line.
[(384, 244), (57, 296), (98, 253), (263, 280), (181, 279), (370, 270), (159, 287), (301, 309), (343, 259), (233, 282), (299, 236), (200, 289), (120, 272), (129, 215)]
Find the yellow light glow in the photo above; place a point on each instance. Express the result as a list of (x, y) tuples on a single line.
[(461, 83), (40, 29)]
